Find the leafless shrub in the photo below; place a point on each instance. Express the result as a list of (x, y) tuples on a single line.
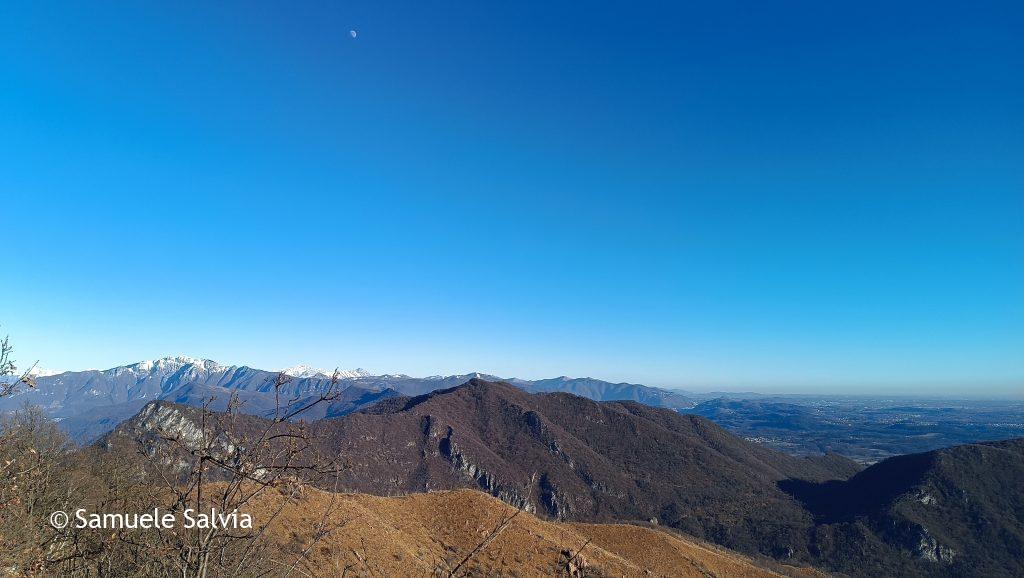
[(231, 470), (214, 464), (215, 461), (43, 474), (10, 379)]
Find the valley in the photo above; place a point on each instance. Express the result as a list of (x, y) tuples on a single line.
[(866, 429)]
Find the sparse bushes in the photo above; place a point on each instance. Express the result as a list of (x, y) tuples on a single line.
[(44, 474), (199, 465), (10, 379)]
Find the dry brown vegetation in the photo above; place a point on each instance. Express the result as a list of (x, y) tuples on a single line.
[(298, 530), (42, 472), (302, 531), (429, 534)]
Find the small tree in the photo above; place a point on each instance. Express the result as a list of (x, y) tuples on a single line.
[(231, 469), (204, 460), (15, 466), (9, 378)]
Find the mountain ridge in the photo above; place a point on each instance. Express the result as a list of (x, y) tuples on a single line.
[(569, 458), (88, 403), (559, 455), (958, 508)]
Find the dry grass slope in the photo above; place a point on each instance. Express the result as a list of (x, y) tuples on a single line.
[(429, 534)]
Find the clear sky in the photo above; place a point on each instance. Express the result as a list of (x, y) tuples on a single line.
[(783, 196)]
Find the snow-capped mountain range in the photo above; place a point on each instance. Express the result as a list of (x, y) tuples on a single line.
[(34, 371), (92, 402), (303, 370), (41, 372)]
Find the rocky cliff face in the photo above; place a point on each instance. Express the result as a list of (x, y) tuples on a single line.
[(170, 434)]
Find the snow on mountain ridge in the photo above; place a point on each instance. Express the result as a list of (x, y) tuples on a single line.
[(89, 402), (473, 375), (166, 365), (172, 364), (34, 372), (303, 371)]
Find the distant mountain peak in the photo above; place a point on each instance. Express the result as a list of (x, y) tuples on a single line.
[(37, 371), (90, 402), (303, 371), (172, 363), (466, 376)]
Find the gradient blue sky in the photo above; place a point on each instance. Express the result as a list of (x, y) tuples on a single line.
[(781, 196)]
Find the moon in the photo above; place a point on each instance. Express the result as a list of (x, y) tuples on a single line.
[(353, 33)]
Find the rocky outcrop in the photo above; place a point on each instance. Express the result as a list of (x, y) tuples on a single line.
[(928, 548), (487, 481), (173, 434)]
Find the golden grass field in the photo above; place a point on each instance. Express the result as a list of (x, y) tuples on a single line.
[(430, 534)]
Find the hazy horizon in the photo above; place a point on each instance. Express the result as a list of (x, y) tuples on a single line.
[(1009, 390)]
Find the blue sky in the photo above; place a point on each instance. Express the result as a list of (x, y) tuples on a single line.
[(791, 196)]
